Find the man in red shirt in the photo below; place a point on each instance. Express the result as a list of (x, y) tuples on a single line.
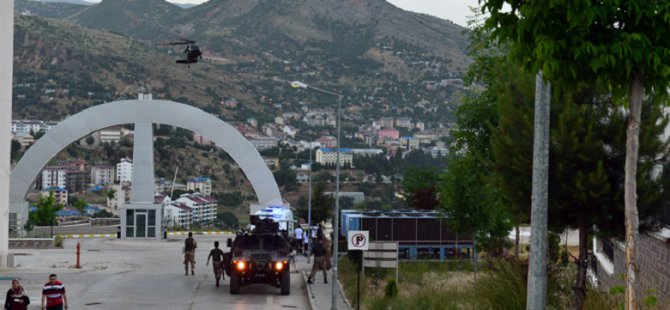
[(53, 294)]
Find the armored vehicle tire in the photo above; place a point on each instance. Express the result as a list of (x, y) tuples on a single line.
[(286, 282), (234, 283)]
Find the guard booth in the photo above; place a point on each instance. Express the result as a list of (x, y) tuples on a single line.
[(141, 221), (421, 234)]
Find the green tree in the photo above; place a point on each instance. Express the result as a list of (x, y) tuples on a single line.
[(472, 204), (586, 151), (322, 204), (626, 44), (16, 149), (111, 194), (45, 214), (420, 187), (229, 219), (80, 205), (90, 140)]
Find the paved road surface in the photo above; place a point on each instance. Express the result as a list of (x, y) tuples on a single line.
[(125, 274)]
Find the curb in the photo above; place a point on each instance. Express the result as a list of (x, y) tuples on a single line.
[(310, 294), (206, 233), (344, 296), (77, 236)]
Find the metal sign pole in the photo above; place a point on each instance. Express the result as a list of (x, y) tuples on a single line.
[(358, 282)]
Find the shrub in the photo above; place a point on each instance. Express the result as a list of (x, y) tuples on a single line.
[(58, 241), (391, 289)]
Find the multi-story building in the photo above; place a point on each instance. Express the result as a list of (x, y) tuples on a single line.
[(25, 127), (53, 176), (60, 194), (367, 152), (404, 122), (409, 143), (203, 185), (72, 176), (200, 139), (426, 137), (203, 208), (110, 134), (388, 134), (76, 180), (421, 126), (327, 141), (24, 139), (328, 156), (178, 215), (272, 162), (438, 151), (264, 143), (385, 122), (124, 171), (102, 174)]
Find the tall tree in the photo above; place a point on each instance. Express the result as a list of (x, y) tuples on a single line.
[(419, 186), (45, 214), (624, 43)]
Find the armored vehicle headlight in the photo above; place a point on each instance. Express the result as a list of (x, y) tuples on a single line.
[(241, 265), (279, 265)]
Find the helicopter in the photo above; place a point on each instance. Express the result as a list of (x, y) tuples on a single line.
[(192, 52)]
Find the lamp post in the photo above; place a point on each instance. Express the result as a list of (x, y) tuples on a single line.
[(297, 84)]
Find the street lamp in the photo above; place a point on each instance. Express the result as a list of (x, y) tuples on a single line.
[(298, 84), (309, 203)]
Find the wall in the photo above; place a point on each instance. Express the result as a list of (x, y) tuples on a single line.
[(654, 269)]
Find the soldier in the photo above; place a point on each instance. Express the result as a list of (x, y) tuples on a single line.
[(217, 262), (319, 262), (189, 253)]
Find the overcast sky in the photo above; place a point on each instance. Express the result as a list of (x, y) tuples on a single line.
[(454, 10)]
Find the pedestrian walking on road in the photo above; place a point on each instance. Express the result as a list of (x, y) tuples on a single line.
[(16, 297), (216, 255), (319, 262), (305, 243), (297, 236), (53, 294), (189, 253)]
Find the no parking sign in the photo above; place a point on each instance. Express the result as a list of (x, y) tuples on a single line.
[(358, 239)]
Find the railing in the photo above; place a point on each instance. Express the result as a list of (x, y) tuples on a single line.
[(608, 249), (594, 263)]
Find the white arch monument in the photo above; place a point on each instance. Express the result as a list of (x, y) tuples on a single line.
[(143, 113)]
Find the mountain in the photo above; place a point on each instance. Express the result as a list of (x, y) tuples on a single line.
[(61, 68), (184, 5), (387, 61), (57, 10), (310, 28), (141, 18)]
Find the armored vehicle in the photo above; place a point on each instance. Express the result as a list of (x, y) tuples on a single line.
[(260, 256)]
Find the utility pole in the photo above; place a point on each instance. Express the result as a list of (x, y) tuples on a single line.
[(536, 297), (6, 71)]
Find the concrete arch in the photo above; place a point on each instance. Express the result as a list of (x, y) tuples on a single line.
[(166, 112)]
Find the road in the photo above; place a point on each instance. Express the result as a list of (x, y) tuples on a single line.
[(142, 274)]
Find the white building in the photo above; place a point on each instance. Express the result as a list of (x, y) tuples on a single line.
[(404, 122), (178, 215), (203, 208), (124, 171), (367, 152), (111, 134), (203, 185), (60, 194), (54, 177), (24, 127), (328, 156), (102, 174), (264, 143)]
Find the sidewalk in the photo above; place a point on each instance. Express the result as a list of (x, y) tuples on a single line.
[(319, 293)]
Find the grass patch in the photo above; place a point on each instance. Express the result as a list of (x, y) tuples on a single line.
[(501, 284)]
